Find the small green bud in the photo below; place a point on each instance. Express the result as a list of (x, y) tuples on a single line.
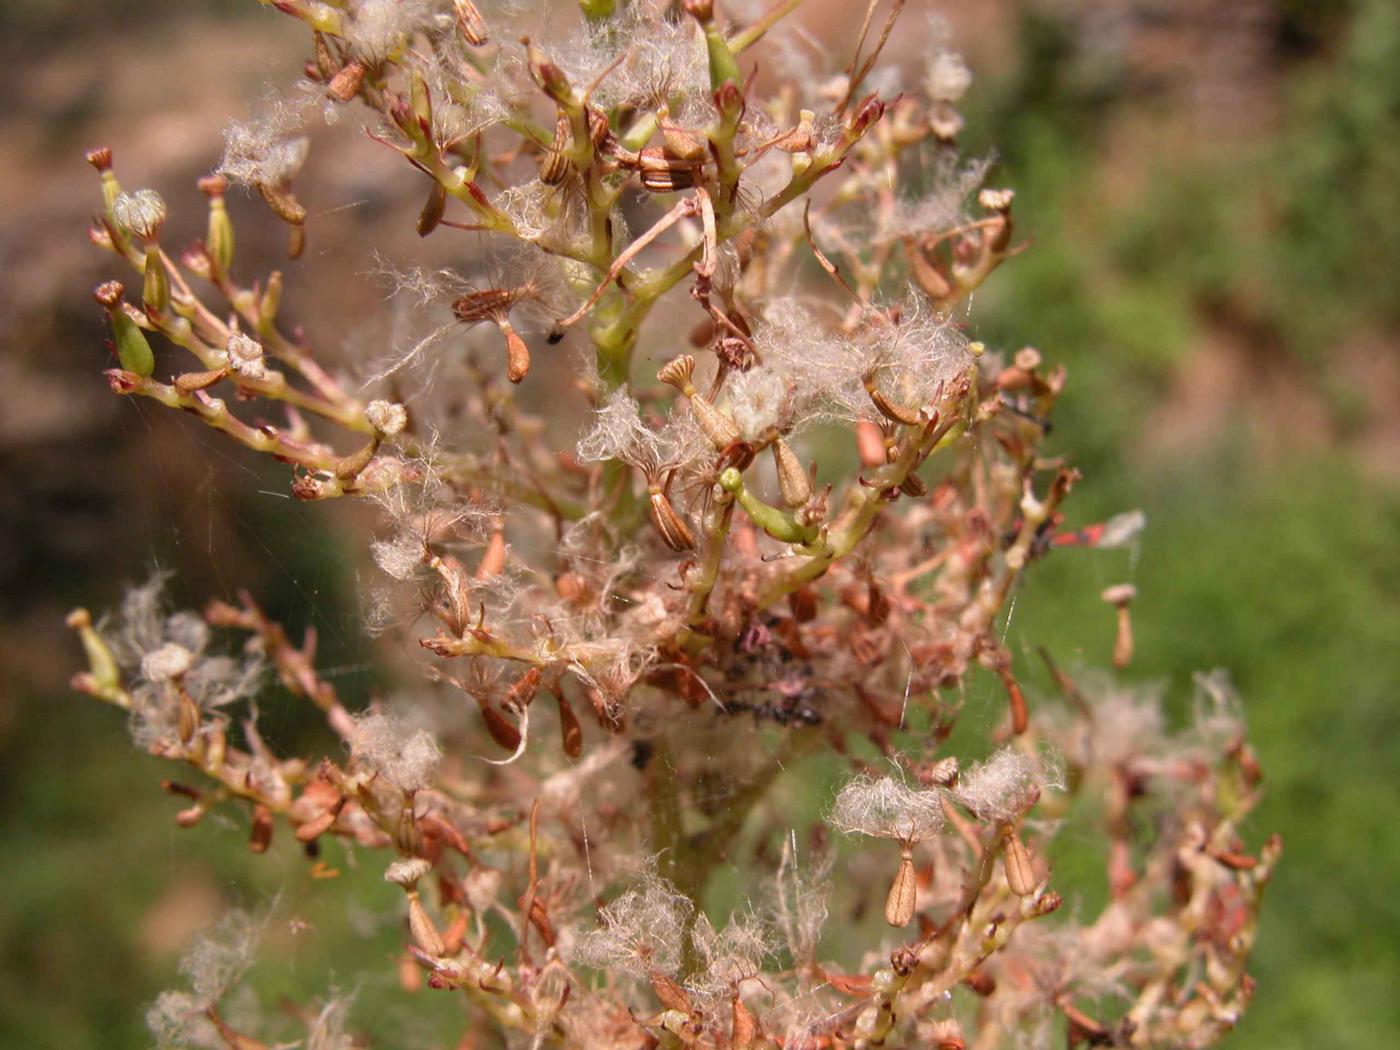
[(155, 286), (133, 351), (596, 10), (101, 662), (218, 241), (271, 300)]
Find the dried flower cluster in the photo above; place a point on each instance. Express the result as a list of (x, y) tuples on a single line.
[(798, 501)]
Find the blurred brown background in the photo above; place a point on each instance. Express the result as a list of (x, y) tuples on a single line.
[(1211, 187)]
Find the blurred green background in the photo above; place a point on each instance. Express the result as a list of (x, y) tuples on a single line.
[(1212, 191)]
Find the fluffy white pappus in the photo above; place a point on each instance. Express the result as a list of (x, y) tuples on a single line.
[(618, 432), (825, 371), (387, 417), (378, 29), (916, 361), (402, 555), (221, 956), (1218, 720), (821, 369), (948, 77), (167, 662), (661, 59), (407, 758), (758, 400), (728, 956), (327, 1030), (611, 665), (888, 808), (217, 681), (640, 932), (941, 208), (799, 905), (1007, 784), (267, 150), (176, 1020)]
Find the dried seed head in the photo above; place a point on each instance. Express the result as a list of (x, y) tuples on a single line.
[(996, 200), (387, 417), (245, 357), (1120, 594), (899, 905), (100, 158), (109, 293), (679, 372), (407, 872), (140, 214)]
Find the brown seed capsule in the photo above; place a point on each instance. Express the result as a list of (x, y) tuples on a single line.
[(672, 527), (570, 732), (501, 730), (188, 719), (1120, 597), (494, 560), (260, 836), (669, 993), (793, 482), (1020, 872), (318, 826), (743, 1028), (433, 209), (870, 444), (899, 905), (913, 485), (681, 144), (572, 587), (283, 204), (889, 409), (517, 353), (346, 84), (351, 466), (485, 305), (296, 242), (554, 164), (661, 174), (470, 23), (189, 382)]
